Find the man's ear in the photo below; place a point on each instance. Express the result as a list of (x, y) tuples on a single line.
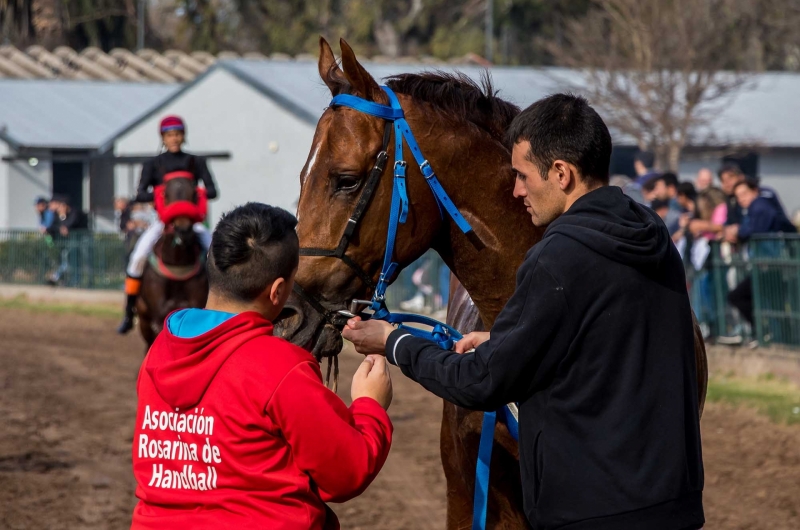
[(277, 291), (565, 173)]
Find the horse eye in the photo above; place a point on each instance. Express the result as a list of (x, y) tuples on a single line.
[(346, 183)]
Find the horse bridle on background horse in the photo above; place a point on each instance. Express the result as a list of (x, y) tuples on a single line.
[(444, 335)]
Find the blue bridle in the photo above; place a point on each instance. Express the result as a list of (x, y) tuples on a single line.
[(444, 335)]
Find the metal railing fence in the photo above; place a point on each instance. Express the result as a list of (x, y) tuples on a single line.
[(93, 260), (82, 259)]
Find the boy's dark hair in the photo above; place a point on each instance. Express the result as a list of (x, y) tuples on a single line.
[(730, 167), (564, 126), (687, 190), (252, 246), (670, 179), (647, 158)]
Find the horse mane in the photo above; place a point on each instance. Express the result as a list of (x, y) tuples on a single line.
[(459, 97)]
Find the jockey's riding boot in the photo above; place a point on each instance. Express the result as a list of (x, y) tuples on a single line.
[(127, 322), (132, 286)]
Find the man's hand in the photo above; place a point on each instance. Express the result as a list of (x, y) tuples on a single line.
[(731, 233), (471, 341), (368, 337), (372, 380)]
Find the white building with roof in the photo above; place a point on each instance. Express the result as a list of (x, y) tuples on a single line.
[(55, 138), (264, 113)]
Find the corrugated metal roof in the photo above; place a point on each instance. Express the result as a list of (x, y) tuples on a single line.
[(36, 62), (299, 83), (764, 112), (73, 114)]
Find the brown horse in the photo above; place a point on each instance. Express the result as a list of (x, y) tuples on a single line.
[(175, 275), (460, 128)]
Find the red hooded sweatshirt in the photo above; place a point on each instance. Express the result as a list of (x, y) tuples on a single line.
[(234, 429)]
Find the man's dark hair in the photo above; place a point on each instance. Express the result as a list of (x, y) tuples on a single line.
[(647, 158), (687, 190), (750, 183), (565, 127), (730, 167), (670, 179), (252, 246), (650, 184)]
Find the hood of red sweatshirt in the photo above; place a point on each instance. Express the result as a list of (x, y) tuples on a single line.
[(183, 368)]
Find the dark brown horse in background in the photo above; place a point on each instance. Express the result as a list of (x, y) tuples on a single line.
[(175, 275), (460, 128)]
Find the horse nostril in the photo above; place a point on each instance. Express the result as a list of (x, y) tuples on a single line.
[(286, 313)]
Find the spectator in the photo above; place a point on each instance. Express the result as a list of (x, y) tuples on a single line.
[(649, 191), (643, 164), (712, 209), (628, 187), (661, 207), (67, 219), (686, 195), (668, 190), (44, 213), (704, 179), (122, 214), (687, 200), (796, 219), (760, 215), (730, 176)]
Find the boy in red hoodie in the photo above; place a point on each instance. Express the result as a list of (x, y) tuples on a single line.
[(234, 427)]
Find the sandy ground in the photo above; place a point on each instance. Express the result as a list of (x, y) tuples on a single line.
[(67, 402)]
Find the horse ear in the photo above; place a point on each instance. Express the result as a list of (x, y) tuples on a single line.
[(329, 69), (362, 83)]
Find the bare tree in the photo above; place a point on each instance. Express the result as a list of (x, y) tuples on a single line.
[(659, 69)]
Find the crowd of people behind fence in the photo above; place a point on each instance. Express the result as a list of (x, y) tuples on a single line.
[(699, 213), (729, 210), (59, 221)]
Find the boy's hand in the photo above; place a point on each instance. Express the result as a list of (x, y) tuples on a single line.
[(471, 341), (372, 380), (368, 337)]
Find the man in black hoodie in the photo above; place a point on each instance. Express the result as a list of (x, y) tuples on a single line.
[(596, 344)]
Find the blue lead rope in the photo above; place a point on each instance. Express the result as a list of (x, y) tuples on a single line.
[(442, 334)]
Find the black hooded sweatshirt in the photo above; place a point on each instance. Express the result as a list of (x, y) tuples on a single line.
[(597, 346)]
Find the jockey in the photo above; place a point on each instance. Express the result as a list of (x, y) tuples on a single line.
[(173, 135)]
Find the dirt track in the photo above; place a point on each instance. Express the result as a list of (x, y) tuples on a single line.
[(67, 402)]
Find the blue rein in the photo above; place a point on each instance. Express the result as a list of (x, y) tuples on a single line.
[(442, 334)]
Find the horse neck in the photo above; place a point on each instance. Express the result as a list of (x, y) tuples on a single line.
[(478, 177)]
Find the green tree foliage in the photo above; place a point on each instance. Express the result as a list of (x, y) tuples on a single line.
[(526, 32)]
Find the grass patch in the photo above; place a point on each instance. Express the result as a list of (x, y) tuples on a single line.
[(23, 303), (780, 400)]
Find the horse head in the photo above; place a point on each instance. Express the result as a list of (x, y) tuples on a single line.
[(180, 241), (347, 149)]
